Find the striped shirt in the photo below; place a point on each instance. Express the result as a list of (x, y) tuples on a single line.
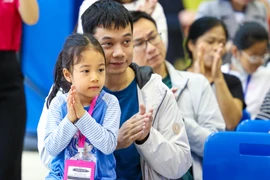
[(264, 113), (100, 130)]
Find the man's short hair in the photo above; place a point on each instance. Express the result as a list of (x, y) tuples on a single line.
[(108, 14), (137, 15)]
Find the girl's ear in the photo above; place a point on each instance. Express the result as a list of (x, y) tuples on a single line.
[(67, 75)]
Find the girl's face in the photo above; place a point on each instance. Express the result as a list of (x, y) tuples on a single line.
[(88, 75), (210, 42), (253, 57)]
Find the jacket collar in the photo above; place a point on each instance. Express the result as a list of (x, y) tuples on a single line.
[(142, 74), (178, 80)]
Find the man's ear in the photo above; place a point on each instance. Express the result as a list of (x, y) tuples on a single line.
[(67, 75), (234, 51)]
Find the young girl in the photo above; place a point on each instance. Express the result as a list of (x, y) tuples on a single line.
[(72, 132)]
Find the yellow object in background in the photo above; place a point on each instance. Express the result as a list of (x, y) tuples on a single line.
[(192, 4)]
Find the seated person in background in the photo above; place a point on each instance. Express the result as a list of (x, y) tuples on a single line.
[(195, 98), (264, 113), (234, 12), (250, 51), (152, 142), (151, 7), (205, 46)]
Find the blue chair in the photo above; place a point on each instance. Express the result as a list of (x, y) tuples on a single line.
[(261, 126), (237, 156), (245, 115)]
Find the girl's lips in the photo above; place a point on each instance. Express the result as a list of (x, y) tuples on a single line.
[(94, 87)]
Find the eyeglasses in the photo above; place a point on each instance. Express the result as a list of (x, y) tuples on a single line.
[(142, 45), (256, 59)]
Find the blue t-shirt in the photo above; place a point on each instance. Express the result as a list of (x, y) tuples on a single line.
[(128, 159)]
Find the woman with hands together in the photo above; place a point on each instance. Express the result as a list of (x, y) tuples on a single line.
[(205, 46), (84, 112)]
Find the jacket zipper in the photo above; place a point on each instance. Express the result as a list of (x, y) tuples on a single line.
[(159, 107), (182, 91)]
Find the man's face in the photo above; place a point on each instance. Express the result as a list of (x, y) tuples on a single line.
[(118, 47), (149, 49)]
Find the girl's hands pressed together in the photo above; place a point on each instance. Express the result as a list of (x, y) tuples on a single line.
[(71, 113), (77, 106)]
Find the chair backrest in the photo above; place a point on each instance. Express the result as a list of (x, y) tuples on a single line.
[(237, 156), (245, 115), (260, 126)]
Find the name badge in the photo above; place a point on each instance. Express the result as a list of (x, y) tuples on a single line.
[(79, 170)]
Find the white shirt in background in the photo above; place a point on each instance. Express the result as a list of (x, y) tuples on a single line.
[(257, 87), (239, 16)]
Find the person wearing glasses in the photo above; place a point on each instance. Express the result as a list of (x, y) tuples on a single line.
[(250, 52), (205, 47), (195, 98)]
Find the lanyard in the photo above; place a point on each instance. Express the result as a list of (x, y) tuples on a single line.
[(247, 83), (90, 111)]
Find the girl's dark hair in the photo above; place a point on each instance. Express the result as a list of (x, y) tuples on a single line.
[(70, 55), (105, 13), (248, 34), (199, 28)]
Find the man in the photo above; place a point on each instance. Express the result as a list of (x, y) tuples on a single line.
[(195, 98), (160, 151)]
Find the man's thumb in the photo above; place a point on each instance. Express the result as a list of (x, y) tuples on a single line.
[(142, 109)]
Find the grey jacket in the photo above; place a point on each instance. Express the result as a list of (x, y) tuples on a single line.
[(198, 105), (223, 10)]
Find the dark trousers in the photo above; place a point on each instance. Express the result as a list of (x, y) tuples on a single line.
[(12, 116)]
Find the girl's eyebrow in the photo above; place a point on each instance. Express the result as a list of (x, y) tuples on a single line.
[(85, 65), (88, 65)]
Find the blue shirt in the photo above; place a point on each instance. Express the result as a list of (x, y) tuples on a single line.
[(127, 160)]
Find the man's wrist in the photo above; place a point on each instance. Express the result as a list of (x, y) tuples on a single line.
[(142, 141)]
